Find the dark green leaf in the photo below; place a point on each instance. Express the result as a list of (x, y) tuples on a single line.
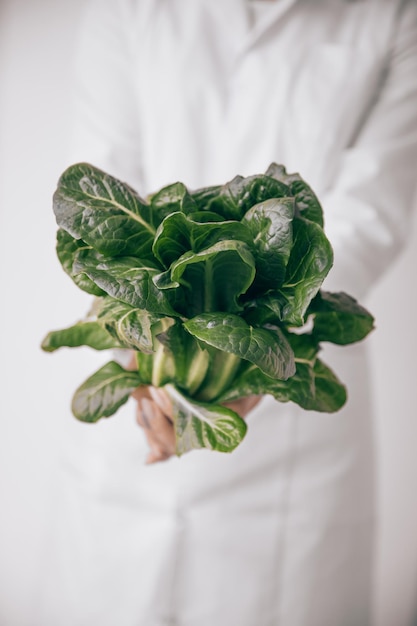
[(270, 224), (330, 394), (266, 347), (236, 197), (310, 261), (81, 334), (127, 279), (306, 201), (104, 392), (203, 217), (203, 197), (314, 387), (173, 198), (172, 239), (200, 425), (67, 249), (179, 234), (305, 346), (104, 212), (267, 309), (132, 327), (213, 279), (339, 318)]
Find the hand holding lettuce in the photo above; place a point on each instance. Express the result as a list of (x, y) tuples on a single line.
[(216, 290)]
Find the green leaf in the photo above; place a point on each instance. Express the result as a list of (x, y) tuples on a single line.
[(305, 346), (172, 239), (310, 261), (266, 347), (339, 318), (203, 196), (104, 212), (236, 197), (200, 425), (203, 217), (270, 224), (267, 309), (330, 394), (205, 277), (306, 201), (127, 279), (178, 234), (131, 327), (173, 198), (81, 334), (314, 387), (67, 249), (104, 392), (207, 234)]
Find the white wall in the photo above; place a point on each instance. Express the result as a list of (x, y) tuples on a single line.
[(36, 38), (394, 349), (35, 49)]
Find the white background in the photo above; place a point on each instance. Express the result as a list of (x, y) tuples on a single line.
[(36, 43)]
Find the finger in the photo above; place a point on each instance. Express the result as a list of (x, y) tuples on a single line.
[(156, 456), (154, 445), (243, 406), (140, 416), (156, 451), (158, 427), (132, 364), (140, 392), (162, 399), (251, 402)]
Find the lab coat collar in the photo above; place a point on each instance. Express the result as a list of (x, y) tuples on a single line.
[(277, 10)]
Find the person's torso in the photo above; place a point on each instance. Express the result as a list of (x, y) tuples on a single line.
[(219, 94)]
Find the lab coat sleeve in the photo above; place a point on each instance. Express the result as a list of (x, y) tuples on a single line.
[(105, 131), (368, 209)]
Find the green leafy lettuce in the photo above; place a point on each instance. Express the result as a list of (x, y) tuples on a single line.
[(216, 290)]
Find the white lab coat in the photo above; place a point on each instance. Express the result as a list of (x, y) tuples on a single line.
[(281, 531)]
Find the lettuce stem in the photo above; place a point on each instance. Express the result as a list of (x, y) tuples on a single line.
[(197, 371), (222, 370), (163, 368)]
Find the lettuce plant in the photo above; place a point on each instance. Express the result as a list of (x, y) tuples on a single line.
[(216, 290)]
